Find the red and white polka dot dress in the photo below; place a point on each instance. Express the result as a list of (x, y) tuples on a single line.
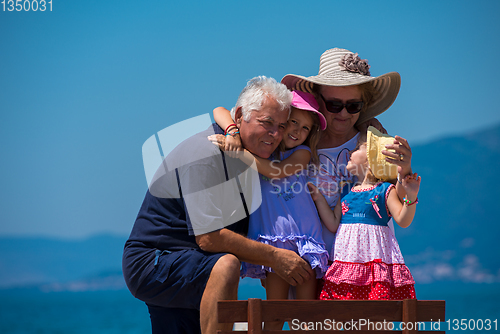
[(368, 263)]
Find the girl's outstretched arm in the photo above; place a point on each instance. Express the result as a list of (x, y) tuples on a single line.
[(403, 213), (296, 162), (329, 217), (276, 169), (222, 117)]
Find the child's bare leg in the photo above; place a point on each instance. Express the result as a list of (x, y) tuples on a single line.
[(276, 288), (308, 290)]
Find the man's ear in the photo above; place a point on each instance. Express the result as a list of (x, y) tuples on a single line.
[(238, 116)]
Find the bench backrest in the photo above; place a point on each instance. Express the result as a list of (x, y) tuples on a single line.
[(319, 316)]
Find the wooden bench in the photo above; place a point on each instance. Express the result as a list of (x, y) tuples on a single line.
[(320, 316)]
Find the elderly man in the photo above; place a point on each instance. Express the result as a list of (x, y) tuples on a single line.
[(183, 254)]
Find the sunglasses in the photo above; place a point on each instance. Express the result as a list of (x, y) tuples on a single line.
[(337, 106)]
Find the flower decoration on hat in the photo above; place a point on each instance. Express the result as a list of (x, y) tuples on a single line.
[(352, 63)]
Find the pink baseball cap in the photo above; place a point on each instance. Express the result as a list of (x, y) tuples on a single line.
[(306, 101)]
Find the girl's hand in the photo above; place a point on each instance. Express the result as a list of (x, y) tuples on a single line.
[(227, 145), (330, 218), (411, 183), (233, 143), (401, 157), (218, 140), (314, 191)]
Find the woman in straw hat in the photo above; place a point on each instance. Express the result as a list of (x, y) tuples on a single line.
[(349, 98)]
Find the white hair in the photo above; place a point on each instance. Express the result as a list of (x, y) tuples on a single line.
[(257, 89)]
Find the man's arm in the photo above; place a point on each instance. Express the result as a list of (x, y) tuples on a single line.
[(211, 200), (287, 264)]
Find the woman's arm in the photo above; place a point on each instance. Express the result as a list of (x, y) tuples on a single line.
[(330, 218), (402, 150), (401, 212)]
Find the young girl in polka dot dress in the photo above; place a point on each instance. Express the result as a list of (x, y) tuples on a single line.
[(368, 263)]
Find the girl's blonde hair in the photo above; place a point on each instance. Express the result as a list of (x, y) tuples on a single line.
[(312, 139)]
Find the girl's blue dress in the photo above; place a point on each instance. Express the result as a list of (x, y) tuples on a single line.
[(368, 263)]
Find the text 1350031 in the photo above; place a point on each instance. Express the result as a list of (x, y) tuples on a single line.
[(471, 324), (26, 5)]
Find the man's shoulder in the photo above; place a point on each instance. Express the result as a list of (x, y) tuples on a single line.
[(195, 149)]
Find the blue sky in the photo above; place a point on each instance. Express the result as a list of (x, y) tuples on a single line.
[(84, 86)]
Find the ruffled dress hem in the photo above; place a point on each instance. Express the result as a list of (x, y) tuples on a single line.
[(307, 247), (361, 274), (373, 291)]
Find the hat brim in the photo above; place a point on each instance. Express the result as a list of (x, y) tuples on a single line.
[(386, 88)]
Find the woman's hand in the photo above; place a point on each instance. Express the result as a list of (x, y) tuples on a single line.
[(411, 183), (401, 155)]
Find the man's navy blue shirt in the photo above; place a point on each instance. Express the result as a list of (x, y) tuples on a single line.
[(163, 222)]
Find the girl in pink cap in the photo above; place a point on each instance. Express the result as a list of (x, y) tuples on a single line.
[(287, 217), (303, 127)]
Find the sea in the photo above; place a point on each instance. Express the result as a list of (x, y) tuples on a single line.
[(32, 310)]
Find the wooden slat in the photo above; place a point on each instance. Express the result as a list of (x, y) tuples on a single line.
[(329, 332), (232, 311), (431, 310), (410, 315), (254, 316), (340, 311), (319, 310)]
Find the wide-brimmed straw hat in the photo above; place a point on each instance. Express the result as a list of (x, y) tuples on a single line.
[(375, 143), (306, 101), (340, 67)]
